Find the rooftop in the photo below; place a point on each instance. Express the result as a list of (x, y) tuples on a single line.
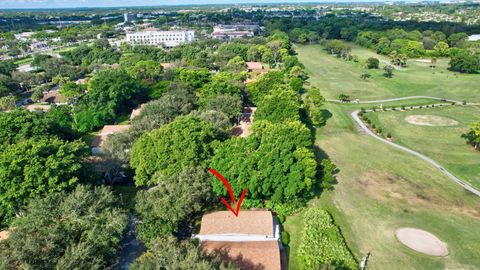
[(107, 130), (262, 255), (247, 223)]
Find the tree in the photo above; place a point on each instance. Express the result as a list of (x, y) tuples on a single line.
[(281, 105), (72, 90), (465, 62), (263, 86), (344, 98), (148, 71), (365, 76), (79, 230), (457, 39), (179, 100), (169, 253), (388, 71), (230, 105), (473, 135), (221, 84), (110, 92), (328, 173), (372, 63), (36, 167), (441, 48), (7, 103), (165, 151), (173, 204), (314, 101), (19, 125), (274, 163), (7, 67)]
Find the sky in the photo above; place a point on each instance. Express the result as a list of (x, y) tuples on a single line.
[(116, 3)]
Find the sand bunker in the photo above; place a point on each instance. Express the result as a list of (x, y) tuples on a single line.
[(430, 120), (422, 241)]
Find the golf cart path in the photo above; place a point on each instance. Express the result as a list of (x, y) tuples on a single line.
[(397, 99), (362, 125)]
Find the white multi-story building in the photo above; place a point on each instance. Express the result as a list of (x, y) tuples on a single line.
[(168, 39)]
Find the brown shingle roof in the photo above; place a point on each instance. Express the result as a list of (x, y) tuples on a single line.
[(107, 130), (258, 255), (254, 66), (247, 222)]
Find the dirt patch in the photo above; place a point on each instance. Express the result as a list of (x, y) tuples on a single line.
[(393, 188), (3, 235), (430, 120), (422, 241)]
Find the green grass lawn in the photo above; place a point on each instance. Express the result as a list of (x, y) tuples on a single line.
[(335, 76), (380, 188), (23, 61), (441, 143)]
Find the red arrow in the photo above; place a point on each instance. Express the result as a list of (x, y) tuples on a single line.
[(230, 191)]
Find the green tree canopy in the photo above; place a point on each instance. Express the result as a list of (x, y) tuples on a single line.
[(173, 204), (275, 163), (36, 167), (281, 105), (167, 150), (169, 253), (80, 230)]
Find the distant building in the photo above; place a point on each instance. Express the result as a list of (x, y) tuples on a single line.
[(127, 17), (24, 36), (168, 39), (229, 32), (250, 241)]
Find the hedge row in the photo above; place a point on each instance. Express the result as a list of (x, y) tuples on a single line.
[(322, 244)]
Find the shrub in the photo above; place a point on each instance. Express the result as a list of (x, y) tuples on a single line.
[(389, 135), (322, 243), (373, 126), (281, 218), (403, 107), (362, 110), (285, 238), (379, 130)]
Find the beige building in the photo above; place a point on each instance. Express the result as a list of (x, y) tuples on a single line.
[(250, 240)]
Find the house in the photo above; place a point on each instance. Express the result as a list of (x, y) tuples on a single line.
[(137, 111), (250, 240), (81, 81), (256, 66), (53, 96), (166, 65), (38, 107), (103, 135)]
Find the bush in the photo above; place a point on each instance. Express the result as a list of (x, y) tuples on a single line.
[(372, 63), (322, 243), (373, 126), (403, 107), (285, 238), (281, 218), (389, 135)]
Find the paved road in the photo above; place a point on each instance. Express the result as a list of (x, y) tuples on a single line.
[(408, 150), (396, 99)]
